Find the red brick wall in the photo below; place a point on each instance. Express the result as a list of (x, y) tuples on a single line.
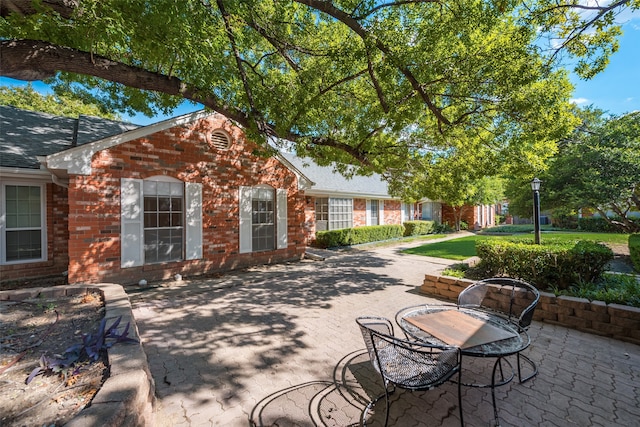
[(309, 226), (392, 211), (181, 152), (359, 212), (57, 236)]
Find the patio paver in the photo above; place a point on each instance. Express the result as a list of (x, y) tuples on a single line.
[(279, 345)]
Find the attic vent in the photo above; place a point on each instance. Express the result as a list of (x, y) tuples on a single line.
[(220, 139)]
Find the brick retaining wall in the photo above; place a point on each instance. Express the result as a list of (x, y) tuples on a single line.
[(613, 320)]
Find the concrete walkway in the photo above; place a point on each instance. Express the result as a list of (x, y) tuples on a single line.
[(278, 345)]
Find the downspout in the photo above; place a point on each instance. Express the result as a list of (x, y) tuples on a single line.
[(54, 178)]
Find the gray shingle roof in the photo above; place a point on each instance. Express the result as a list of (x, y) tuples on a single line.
[(332, 183), (26, 134)]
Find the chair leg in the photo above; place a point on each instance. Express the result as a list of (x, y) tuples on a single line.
[(460, 396), (363, 417), (386, 415), (493, 389), (531, 363)]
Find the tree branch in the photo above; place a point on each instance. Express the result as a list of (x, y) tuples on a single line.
[(354, 25), (35, 60), (26, 59), (64, 8)]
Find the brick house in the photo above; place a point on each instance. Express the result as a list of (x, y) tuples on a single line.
[(335, 202), (476, 217), (102, 201)]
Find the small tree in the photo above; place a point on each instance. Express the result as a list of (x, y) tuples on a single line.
[(599, 168)]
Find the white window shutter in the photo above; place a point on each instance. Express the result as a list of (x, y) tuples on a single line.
[(193, 226), (381, 212), (281, 226), (403, 210), (131, 230), (245, 196), (368, 213)]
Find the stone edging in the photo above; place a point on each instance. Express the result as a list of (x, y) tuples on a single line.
[(127, 397), (613, 320)]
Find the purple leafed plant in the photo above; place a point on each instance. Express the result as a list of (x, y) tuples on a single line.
[(88, 351)]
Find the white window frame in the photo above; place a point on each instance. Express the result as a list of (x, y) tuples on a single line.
[(132, 220), (245, 198), (4, 229), (334, 204)]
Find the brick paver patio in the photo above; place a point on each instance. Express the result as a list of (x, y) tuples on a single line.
[(278, 345)]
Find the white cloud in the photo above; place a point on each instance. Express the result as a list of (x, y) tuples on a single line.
[(579, 101)]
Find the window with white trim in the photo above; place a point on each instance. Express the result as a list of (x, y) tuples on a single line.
[(161, 221), (340, 213), (375, 212), (23, 223), (322, 213), (263, 218)]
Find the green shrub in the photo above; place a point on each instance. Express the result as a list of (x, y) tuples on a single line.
[(554, 264), (565, 221), (634, 250), (443, 228), (610, 288), (358, 235), (419, 228), (600, 225)]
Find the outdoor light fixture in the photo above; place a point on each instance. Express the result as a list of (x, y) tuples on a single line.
[(535, 186)]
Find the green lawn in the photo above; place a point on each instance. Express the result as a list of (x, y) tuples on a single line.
[(465, 247)]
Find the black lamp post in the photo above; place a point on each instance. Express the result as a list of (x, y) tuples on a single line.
[(535, 186)]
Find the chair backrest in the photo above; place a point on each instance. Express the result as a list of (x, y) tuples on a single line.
[(514, 298), (408, 364), (369, 324)]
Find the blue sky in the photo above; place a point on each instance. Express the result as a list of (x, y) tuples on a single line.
[(616, 90)]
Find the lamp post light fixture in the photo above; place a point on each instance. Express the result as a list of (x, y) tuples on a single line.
[(535, 186)]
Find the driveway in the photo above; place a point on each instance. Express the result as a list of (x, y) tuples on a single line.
[(278, 345)]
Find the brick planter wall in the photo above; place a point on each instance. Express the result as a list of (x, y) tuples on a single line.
[(613, 320)]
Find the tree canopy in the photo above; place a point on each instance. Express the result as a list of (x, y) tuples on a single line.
[(598, 167), (389, 87), (28, 98)]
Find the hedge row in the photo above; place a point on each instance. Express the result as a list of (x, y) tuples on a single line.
[(555, 265), (419, 228), (358, 235), (634, 250), (600, 225)]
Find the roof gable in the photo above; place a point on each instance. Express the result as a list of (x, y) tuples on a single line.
[(25, 135)]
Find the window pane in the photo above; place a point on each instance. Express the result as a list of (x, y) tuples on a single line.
[(164, 204), (150, 220), (176, 204), (164, 219), (150, 204), (176, 219), (23, 245), (151, 246)]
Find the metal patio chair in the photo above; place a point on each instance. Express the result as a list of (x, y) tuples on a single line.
[(406, 364), (513, 298)]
